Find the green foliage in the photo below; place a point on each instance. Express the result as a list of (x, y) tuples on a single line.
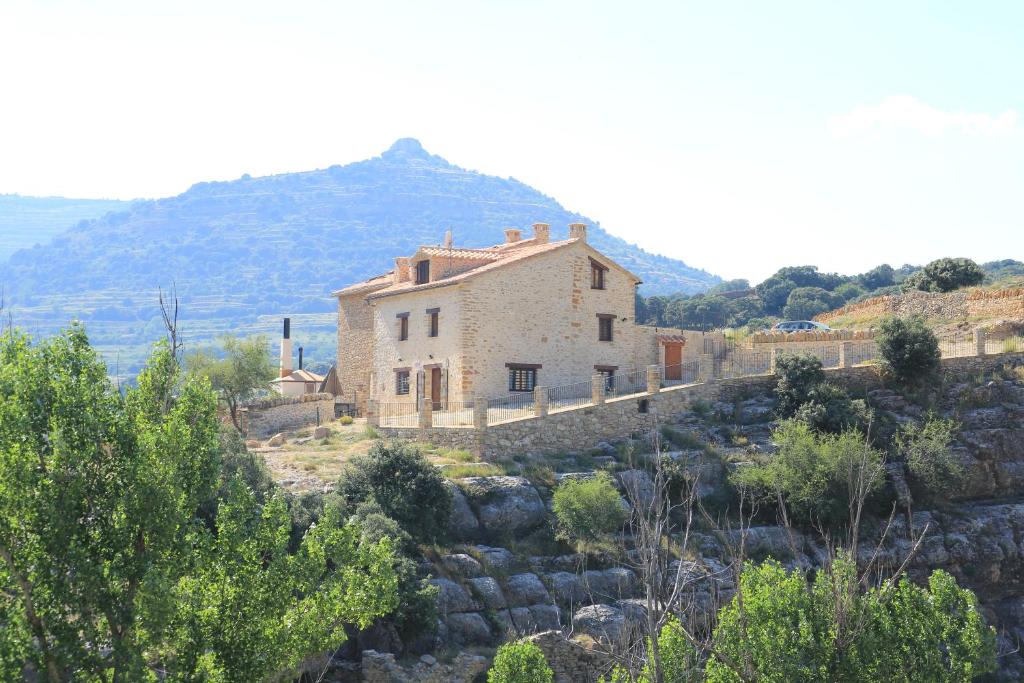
[(877, 278), (699, 312), (588, 510), (237, 373), (909, 351), (928, 452), (783, 632), (803, 303), (678, 660), (345, 420), (828, 408), (848, 291), (520, 662), (946, 275), (407, 487), (816, 474), (109, 568), (798, 374)]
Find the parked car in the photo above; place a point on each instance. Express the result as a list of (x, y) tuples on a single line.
[(799, 325)]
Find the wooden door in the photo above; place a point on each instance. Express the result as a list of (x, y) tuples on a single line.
[(435, 387), (673, 361)]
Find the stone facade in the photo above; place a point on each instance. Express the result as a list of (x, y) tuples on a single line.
[(263, 418)]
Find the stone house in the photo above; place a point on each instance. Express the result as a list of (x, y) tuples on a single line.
[(451, 324)]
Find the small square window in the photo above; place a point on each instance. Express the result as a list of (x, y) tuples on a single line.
[(522, 378), (402, 382)]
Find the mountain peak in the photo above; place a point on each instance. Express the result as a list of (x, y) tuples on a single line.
[(409, 147)]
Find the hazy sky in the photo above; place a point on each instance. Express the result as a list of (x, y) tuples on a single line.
[(739, 137)]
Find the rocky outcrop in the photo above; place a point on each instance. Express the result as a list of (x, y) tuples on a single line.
[(380, 667), (504, 505)]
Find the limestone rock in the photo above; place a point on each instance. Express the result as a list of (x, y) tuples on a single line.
[(602, 622), (321, 432), (526, 589), (462, 524), (276, 440), (495, 560), (567, 588), (452, 597), (468, 628), (506, 505), (461, 565), (488, 592)]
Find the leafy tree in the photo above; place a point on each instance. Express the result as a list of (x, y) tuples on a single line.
[(737, 285), (238, 373), (587, 510), (774, 292), (909, 351), (946, 275), (744, 310), (848, 291), (408, 489), (928, 451), (779, 630), (798, 374), (804, 303), (879, 277), (520, 662), (699, 312), (828, 408), (817, 475)]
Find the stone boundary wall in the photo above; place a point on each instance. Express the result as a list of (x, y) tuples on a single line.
[(961, 305), (583, 428), (816, 336), (273, 415)]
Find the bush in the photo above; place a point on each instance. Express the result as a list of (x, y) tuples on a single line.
[(927, 449), (408, 489), (815, 473), (798, 374), (588, 510), (345, 420), (520, 662), (946, 275), (803, 303), (909, 351), (829, 408)]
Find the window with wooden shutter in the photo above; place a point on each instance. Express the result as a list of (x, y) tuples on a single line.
[(597, 271), (605, 322), (422, 272), (521, 376), (403, 326)]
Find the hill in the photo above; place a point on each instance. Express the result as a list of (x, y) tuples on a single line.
[(26, 221), (245, 252)]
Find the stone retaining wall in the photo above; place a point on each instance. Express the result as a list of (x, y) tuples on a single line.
[(264, 418), (583, 428)]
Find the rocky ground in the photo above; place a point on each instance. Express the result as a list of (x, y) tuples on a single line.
[(505, 576)]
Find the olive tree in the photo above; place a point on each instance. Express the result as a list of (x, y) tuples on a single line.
[(238, 371)]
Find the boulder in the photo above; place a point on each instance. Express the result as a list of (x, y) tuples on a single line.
[(451, 597), (611, 584), (488, 592), (505, 505), (521, 621), (276, 440), (495, 560), (567, 588), (462, 523), (602, 622), (321, 432), (461, 565), (468, 629), (525, 589), (637, 485)]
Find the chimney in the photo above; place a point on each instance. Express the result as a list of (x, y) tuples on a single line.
[(578, 231), (286, 348), (401, 269), (512, 235), (300, 358), (447, 239), (541, 233)]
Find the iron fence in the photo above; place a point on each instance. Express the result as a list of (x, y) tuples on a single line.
[(510, 407), (567, 396), (626, 383), (680, 373), (958, 345), (743, 363), (1008, 344), (454, 414), (398, 414)]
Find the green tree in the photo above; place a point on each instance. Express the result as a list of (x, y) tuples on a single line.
[(848, 291), (238, 371), (946, 275), (737, 285), (909, 351), (879, 277), (804, 303), (407, 488), (928, 451), (817, 475), (699, 312), (588, 510), (520, 662), (780, 630), (798, 374)]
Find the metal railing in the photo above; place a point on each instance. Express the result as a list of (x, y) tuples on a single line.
[(743, 363), (626, 383), (510, 407), (568, 396), (398, 414), (1010, 344), (454, 414), (680, 373), (958, 345)]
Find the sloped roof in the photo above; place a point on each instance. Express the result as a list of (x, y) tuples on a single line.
[(490, 257), (299, 376)]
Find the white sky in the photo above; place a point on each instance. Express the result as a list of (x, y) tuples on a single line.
[(740, 137)]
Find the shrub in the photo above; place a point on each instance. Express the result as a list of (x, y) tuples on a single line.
[(946, 275), (588, 510), (408, 489), (803, 303), (927, 449), (798, 374), (815, 473), (346, 420), (520, 662), (909, 351), (828, 408)]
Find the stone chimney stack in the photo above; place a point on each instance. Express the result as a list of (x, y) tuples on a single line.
[(401, 269), (512, 235), (286, 348), (541, 233), (578, 231), (447, 239)]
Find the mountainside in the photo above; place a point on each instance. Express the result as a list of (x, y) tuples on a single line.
[(25, 221), (244, 252)]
